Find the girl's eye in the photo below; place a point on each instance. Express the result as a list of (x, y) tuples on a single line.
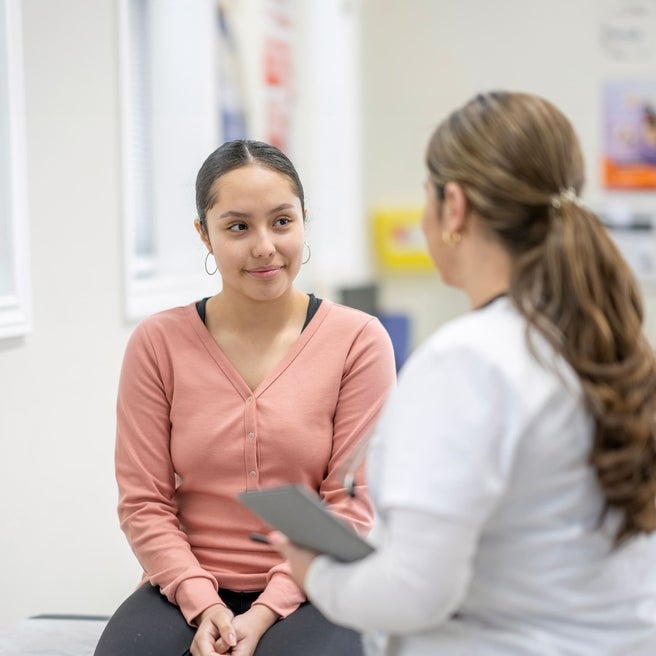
[(283, 220), (237, 227)]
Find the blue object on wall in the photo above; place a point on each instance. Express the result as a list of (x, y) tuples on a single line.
[(398, 328)]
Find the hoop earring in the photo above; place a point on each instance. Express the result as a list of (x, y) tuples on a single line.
[(309, 253), (207, 271), (451, 238)]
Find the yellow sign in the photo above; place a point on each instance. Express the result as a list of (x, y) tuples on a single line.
[(399, 241)]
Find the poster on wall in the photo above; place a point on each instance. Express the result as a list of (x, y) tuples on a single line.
[(278, 74), (629, 151), (232, 102)]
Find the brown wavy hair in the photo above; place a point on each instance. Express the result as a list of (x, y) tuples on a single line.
[(515, 155)]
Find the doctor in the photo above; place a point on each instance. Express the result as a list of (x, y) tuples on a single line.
[(514, 467)]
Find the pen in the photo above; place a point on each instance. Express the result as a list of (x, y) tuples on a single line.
[(259, 537)]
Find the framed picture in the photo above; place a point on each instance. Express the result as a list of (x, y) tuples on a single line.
[(629, 121)]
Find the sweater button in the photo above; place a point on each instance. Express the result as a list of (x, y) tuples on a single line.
[(252, 473), (251, 436)]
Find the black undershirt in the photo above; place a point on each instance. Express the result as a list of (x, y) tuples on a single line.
[(313, 306)]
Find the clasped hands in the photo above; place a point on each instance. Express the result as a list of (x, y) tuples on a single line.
[(220, 631)]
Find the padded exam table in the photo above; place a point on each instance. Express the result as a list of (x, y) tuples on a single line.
[(52, 635)]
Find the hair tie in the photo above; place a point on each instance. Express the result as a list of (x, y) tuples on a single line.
[(565, 196)]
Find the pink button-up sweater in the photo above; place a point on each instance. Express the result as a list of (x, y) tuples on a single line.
[(191, 435)]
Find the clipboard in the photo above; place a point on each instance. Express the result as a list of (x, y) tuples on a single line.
[(300, 514)]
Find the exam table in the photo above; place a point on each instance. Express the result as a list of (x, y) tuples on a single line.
[(52, 635)]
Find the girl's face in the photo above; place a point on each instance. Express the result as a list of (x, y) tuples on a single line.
[(255, 230)]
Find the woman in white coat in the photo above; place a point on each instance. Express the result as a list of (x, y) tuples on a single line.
[(514, 468)]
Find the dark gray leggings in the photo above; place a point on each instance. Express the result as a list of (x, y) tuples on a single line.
[(147, 624)]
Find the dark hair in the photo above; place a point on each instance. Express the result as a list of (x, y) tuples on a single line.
[(519, 163), (233, 155)]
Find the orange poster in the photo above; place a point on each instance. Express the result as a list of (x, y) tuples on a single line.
[(629, 159)]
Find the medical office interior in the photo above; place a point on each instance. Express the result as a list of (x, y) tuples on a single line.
[(107, 110)]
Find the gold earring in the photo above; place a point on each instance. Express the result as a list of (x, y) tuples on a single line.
[(451, 238)]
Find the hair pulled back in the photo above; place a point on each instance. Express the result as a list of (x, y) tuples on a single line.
[(233, 155), (519, 162)]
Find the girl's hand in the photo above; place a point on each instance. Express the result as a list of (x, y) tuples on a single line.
[(214, 623), (249, 627), (299, 558)]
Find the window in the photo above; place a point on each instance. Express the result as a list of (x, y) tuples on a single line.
[(170, 123), (14, 277)]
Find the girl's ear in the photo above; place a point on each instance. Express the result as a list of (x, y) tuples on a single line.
[(455, 208), (203, 235)]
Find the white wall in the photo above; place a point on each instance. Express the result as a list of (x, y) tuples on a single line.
[(60, 546)]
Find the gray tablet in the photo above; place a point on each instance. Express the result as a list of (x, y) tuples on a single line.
[(300, 514)]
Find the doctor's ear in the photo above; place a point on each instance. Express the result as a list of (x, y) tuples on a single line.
[(456, 207)]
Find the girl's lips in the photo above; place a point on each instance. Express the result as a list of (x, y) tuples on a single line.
[(265, 273)]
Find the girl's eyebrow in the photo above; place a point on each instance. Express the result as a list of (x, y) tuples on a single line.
[(280, 208), (235, 214)]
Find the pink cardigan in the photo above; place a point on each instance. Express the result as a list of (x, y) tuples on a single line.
[(191, 435)]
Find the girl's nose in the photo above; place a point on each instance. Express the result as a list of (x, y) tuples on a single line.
[(263, 246)]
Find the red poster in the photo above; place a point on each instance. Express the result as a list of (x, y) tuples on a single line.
[(278, 74)]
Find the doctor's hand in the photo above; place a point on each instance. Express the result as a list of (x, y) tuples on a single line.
[(299, 559)]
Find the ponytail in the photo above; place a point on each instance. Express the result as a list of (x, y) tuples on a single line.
[(577, 290)]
